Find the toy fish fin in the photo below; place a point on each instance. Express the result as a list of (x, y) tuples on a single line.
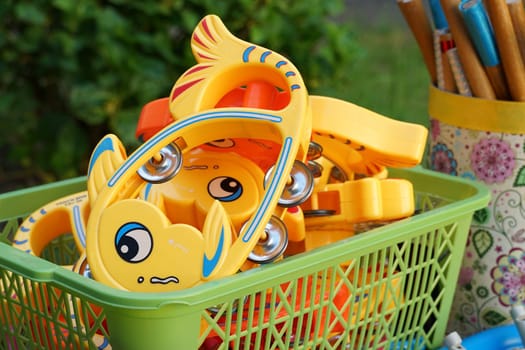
[(213, 47), (226, 63), (217, 233), (105, 159), (211, 40)]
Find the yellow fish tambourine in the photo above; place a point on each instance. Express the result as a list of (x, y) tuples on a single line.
[(131, 243)]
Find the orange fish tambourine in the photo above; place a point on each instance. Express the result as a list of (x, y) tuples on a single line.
[(131, 243)]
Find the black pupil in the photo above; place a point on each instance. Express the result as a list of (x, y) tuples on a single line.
[(127, 248), (229, 185)]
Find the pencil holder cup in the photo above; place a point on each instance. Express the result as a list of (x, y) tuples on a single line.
[(484, 140)]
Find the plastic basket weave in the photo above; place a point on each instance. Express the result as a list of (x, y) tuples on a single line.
[(388, 288)]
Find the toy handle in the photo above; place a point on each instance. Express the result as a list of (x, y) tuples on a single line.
[(256, 94), (62, 216)]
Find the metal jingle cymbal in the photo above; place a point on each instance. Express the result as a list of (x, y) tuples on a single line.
[(338, 175), (163, 168), (315, 168), (299, 188), (315, 151), (273, 244)]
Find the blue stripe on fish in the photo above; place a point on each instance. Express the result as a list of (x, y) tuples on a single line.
[(264, 55), (246, 53)]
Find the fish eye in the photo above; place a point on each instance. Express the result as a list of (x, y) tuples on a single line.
[(222, 143), (225, 188), (133, 242)]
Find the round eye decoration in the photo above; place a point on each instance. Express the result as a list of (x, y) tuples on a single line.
[(225, 188), (222, 143), (133, 242)]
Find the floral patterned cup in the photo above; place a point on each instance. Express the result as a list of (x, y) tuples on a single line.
[(485, 141)]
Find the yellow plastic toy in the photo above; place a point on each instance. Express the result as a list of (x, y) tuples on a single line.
[(69, 215), (222, 172), (234, 181), (131, 243), (63, 216), (372, 141), (237, 183), (360, 144), (355, 147)]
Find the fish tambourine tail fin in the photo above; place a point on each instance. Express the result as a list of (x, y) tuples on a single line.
[(226, 63)]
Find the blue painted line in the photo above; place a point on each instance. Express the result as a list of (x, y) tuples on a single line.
[(166, 133), (79, 225), (210, 264), (246, 54), (128, 227), (147, 190), (264, 55), (105, 145), (279, 170), (280, 63), (104, 344)]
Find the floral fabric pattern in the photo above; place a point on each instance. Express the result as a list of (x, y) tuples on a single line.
[(492, 160), (492, 274), (509, 277), (443, 159)]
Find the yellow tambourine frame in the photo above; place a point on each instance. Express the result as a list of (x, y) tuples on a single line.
[(229, 63)]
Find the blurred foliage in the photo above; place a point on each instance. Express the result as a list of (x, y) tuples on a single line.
[(72, 71)]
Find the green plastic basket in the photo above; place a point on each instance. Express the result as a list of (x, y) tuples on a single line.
[(390, 287)]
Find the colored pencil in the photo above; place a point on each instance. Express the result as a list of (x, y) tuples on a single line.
[(459, 74), (445, 77), (482, 36), (474, 71), (517, 15), (415, 15), (508, 47), (451, 64)]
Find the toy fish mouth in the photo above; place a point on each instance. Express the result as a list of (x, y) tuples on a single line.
[(159, 280)]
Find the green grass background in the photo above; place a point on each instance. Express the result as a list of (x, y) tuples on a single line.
[(388, 75)]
